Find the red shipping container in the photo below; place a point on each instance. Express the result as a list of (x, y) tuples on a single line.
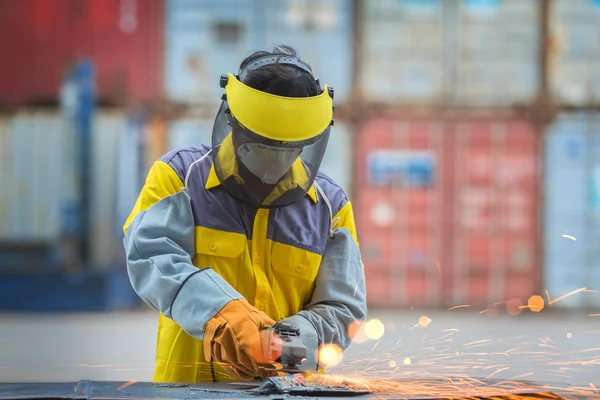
[(447, 209), (39, 39)]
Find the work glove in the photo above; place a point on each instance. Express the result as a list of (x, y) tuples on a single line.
[(232, 338)]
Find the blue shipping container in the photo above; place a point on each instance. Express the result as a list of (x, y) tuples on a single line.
[(465, 52), (576, 53), (572, 209), (207, 38)]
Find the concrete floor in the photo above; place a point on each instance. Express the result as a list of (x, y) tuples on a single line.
[(121, 346)]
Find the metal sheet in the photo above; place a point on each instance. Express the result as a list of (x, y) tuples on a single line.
[(448, 210), (122, 37), (572, 209), (575, 66), (497, 54), (31, 174)]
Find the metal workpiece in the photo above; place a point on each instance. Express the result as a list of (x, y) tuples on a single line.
[(290, 387)]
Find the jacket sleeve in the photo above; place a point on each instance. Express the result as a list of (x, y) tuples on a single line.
[(159, 245), (339, 298)]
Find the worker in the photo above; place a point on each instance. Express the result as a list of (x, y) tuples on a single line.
[(228, 239)]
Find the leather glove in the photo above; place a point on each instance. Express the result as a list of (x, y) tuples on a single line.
[(232, 338)]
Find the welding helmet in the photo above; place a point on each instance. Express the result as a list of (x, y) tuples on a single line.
[(267, 149)]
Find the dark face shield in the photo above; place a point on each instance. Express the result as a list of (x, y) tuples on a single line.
[(262, 171)]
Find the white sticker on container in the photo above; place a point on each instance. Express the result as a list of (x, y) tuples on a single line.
[(382, 214)]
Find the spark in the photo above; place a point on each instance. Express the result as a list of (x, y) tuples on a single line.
[(407, 361), (477, 342), (548, 296), (123, 386), (569, 237), (536, 303), (355, 289), (460, 306), (496, 372), (451, 330), (374, 329), (392, 364), (569, 335), (330, 355), (376, 344), (594, 315), (594, 387), (583, 289)]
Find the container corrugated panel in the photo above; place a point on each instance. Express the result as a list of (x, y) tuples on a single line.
[(107, 131), (31, 150), (575, 66), (122, 37), (404, 51), (321, 31), (205, 39), (572, 209), (447, 210), (337, 162), (399, 201), (495, 212), (498, 42)]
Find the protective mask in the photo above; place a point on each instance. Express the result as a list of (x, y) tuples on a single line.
[(266, 162)]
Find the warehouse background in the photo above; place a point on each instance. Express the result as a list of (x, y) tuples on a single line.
[(467, 135)]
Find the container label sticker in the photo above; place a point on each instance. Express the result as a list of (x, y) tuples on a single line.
[(382, 214), (401, 168)]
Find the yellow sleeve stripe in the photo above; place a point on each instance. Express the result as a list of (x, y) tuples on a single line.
[(162, 181), (346, 220)]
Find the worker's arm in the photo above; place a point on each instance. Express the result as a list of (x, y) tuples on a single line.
[(339, 297), (159, 245)]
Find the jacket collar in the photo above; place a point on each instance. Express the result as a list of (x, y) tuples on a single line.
[(295, 177)]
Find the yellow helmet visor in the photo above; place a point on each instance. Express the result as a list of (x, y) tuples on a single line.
[(288, 119)]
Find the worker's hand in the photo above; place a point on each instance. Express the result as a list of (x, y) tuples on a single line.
[(232, 338)]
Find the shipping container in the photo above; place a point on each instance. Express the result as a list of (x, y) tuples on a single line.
[(32, 147), (321, 31), (575, 51), (123, 38), (446, 210), (207, 38), (464, 52), (337, 162), (404, 51), (38, 154), (497, 53), (572, 209)]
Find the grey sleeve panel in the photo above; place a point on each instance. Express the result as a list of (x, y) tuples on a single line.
[(339, 298), (159, 246)]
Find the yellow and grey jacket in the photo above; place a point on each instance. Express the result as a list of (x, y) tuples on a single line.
[(191, 248)]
